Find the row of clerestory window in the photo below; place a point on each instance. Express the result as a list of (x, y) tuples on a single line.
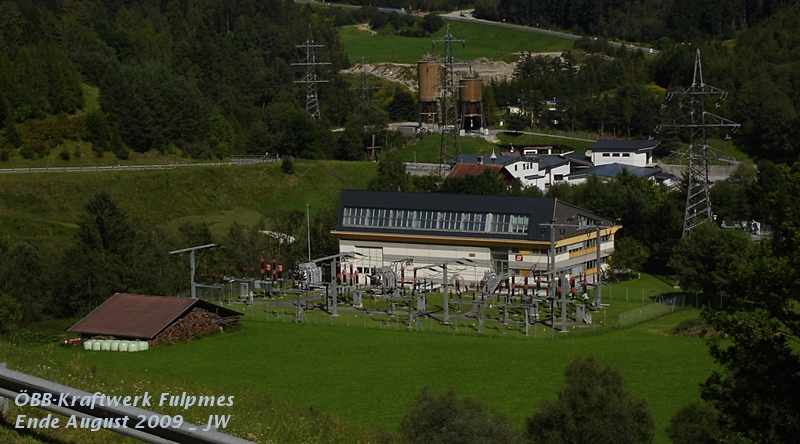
[(436, 220)]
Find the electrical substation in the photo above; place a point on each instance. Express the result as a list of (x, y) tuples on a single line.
[(453, 261)]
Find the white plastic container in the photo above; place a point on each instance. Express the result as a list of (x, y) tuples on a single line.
[(123, 346), (105, 345), (96, 345), (115, 345), (87, 345), (133, 346)]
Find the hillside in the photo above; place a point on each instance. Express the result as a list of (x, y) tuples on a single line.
[(46, 206)]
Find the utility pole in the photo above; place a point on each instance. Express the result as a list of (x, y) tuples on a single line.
[(191, 251), (308, 221)]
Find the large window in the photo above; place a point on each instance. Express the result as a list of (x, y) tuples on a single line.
[(380, 218), (354, 217), (451, 220), (403, 219), (501, 222), (519, 224), (510, 223), (426, 220), (474, 222)]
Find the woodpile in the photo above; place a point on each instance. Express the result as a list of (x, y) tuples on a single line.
[(196, 322)]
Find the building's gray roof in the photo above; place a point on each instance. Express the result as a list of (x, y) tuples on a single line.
[(582, 159), (487, 159), (624, 145), (540, 210), (613, 170)]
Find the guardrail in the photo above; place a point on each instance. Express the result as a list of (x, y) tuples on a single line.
[(13, 384)]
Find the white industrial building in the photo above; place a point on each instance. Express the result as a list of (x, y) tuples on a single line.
[(627, 152), (490, 233)]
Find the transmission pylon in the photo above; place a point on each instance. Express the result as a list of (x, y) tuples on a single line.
[(449, 121), (698, 153), (311, 79), (364, 94)]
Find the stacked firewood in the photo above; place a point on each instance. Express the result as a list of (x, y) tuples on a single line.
[(196, 322)]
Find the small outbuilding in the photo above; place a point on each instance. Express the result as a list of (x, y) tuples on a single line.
[(154, 318)]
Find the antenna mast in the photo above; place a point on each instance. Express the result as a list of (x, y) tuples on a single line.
[(698, 200), (311, 79)]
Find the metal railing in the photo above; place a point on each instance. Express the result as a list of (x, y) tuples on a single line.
[(14, 384)]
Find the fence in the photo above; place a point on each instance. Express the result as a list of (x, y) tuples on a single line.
[(661, 307), (463, 320)]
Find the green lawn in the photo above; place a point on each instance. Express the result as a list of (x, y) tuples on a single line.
[(491, 42), (365, 377), (429, 147)]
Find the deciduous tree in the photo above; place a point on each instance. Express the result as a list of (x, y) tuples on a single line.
[(592, 408)]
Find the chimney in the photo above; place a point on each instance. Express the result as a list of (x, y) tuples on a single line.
[(480, 160)]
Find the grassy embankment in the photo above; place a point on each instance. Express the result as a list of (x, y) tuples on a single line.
[(480, 40), (46, 206)]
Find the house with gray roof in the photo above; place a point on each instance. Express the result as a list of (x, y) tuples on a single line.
[(627, 152)]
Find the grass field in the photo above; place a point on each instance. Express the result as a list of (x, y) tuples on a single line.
[(491, 42), (365, 377), (47, 205), (427, 149)]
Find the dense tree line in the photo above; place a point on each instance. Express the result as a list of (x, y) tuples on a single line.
[(114, 252), (206, 79), (615, 92), (636, 20), (753, 330)]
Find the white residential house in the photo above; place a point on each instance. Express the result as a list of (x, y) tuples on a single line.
[(538, 171), (637, 153)]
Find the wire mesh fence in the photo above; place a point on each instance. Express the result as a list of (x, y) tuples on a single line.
[(494, 323), (660, 307)]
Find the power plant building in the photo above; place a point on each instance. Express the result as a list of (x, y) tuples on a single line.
[(491, 233)]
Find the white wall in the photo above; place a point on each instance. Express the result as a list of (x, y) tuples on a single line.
[(635, 159)]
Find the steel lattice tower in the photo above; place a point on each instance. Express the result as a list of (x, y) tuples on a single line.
[(311, 79), (364, 89), (449, 121), (698, 200)]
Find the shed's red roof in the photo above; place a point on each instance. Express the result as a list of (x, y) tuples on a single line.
[(137, 316)]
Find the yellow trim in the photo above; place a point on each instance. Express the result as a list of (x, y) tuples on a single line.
[(439, 240), (471, 241), (588, 235)]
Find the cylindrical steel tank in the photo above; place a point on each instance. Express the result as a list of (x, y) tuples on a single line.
[(429, 72), (471, 89)]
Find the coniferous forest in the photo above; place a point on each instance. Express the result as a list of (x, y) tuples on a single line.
[(216, 78)]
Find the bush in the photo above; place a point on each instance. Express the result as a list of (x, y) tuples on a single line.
[(432, 419), (287, 166), (695, 423), (593, 407), (26, 152), (64, 155), (692, 325)]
